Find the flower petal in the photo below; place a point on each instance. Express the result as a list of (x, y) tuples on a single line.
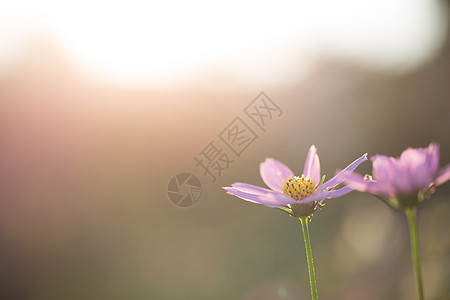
[(250, 188), (274, 173), (383, 168), (312, 164), (338, 177), (399, 173), (443, 176), (318, 196), (340, 192), (357, 182), (417, 168), (433, 157), (270, 198)]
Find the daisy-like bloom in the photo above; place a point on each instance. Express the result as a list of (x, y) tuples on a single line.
[(297, 195), (405, 181)]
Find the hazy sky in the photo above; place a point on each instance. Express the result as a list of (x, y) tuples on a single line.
[(157, 41)]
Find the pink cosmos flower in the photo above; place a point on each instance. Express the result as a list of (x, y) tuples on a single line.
[(414, 172), (287, 190)]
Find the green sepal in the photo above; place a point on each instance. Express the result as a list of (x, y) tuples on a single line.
[(286, 210), (303, 210), (321, 181), (403, 203)]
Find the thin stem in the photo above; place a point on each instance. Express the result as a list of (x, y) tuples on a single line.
[(312, 276), (411, 215)]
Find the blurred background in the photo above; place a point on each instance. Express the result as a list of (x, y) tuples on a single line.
[(102, 103)]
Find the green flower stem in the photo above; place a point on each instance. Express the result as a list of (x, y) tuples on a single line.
[(411, 215), (312, 276)]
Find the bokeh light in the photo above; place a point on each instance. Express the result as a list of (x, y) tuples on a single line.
[(142, 42)]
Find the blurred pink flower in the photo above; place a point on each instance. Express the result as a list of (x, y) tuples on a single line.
[(415, 171)]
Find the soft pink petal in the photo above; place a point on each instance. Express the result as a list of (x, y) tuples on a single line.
[(270, 199), (403, 174), (433, 157), (312, 164), (321, 195), (357, 182), (415, 168), (383, 168), (340, 192), (338, 177), (443, 176), (250, 188), (274, 173)]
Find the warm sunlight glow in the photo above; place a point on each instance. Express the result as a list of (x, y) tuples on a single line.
[(255, 41)]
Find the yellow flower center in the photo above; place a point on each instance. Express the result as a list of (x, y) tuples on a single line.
[(298, 187)]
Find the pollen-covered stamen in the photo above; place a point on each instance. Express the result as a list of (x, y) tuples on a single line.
[(298, 187)]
